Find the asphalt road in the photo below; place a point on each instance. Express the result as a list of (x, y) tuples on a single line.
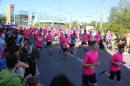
[(51, 65)]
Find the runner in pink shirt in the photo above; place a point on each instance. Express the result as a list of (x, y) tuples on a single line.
[(60, 40), (84, 40), (26, 35), (69, 32), (36, 34), (90, 61), (98, 37), (65, 43), (116, 61), (39, 42), (49, 39), (89, 36), (45, 31), (55, 32)]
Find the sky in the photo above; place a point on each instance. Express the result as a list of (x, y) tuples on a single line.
[(83, 10)]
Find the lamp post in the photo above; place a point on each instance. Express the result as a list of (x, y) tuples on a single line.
[(72, 15)]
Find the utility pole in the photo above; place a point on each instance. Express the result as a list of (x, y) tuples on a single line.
[(101, 19), (72, 15), (71, 20), (96, 19)]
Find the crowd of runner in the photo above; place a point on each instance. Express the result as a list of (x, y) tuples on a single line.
[(18, 64)]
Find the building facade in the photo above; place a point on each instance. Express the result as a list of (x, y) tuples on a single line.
[(28, 18), (10, 9), (24, 17), (41, 18)]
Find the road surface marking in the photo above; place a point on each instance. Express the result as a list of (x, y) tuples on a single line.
[(75, 58)]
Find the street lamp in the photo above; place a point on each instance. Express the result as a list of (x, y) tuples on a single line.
[(71, 15)]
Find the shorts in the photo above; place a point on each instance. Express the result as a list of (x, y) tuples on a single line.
[(86, 79), (83, 43), (65, 50), (72, 45), (39, 47), (48, 43), (117, 73), (89, 42)]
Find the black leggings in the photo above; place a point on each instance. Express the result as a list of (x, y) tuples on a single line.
[(117, 73)]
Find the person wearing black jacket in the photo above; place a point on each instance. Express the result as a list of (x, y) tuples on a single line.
[(119, 40), (32, 63)]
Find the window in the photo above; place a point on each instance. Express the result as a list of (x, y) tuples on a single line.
[(12, 8)]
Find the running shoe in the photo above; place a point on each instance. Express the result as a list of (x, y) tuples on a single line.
[(102, 72), (85, 50), (60, 51)]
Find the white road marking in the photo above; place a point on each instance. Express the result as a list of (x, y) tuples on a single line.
[(75, 58), (72, 55)]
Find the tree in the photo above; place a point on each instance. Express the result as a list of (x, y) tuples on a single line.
[(93, 23), (113, 14), (36, 24), (84, 24), (3, 18), (66, 24), (74, 24), (119, 18)]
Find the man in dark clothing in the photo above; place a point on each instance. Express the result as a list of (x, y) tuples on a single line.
[(119, 40)]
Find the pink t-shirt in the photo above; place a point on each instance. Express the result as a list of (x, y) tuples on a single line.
[(117, 57), (84, 37), (89, 37), (49, 38), (109, 37), (36, 34), (61, 38), (69, 33), (65, 43), (45, 31), (98, 38), (77, 33), (90, 58), (27, 34), (39, 41)]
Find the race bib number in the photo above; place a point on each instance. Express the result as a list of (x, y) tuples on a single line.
[(92, 67)]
